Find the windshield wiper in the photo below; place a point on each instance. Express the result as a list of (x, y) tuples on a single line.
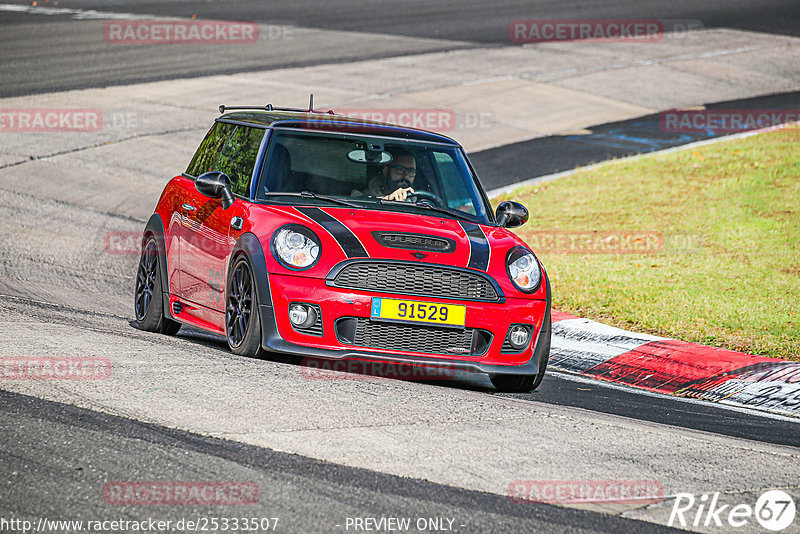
[(309, 194), (426, 205)]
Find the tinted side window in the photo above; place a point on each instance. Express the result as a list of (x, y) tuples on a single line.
[(207, 155), (238, 157)]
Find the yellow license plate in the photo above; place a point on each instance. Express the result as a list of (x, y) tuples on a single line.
[(420, 312)]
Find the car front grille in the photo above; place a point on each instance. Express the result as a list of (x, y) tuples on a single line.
[(362, 332), (415, 279)]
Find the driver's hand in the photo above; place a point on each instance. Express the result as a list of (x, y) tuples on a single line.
[(400, 194)]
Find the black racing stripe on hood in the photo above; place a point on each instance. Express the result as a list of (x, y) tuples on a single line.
[(342, 234), (478, 246)]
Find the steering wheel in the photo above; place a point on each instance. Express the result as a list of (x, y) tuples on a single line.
[(425, 196)]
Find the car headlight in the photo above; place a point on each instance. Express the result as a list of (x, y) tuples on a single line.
[(295, 247), (523, 269)]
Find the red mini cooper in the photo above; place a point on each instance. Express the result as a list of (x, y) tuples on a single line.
[(306, 233)]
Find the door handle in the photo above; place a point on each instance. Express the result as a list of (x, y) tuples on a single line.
[(236, 223), (189, 207)]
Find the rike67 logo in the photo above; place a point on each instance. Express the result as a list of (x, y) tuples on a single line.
[(774, 510)]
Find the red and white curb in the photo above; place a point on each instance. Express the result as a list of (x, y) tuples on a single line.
[(662, 365)]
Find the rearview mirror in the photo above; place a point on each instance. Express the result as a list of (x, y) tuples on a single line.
[(216, 184), (369, 156), (511, 214)]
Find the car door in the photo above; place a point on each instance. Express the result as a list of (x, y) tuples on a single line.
[(208, 231)]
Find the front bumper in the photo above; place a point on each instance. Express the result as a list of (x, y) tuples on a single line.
[(279, 336)]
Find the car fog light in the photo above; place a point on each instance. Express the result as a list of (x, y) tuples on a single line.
[(298, 314), (302, 315), (518, 336)]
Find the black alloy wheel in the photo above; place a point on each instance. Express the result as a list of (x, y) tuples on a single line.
[(148, 294), (242, 324)]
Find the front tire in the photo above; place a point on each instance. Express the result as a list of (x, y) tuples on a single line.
[(242, 323), (516, 383), (522, 383), (148, 299), (525, 383)]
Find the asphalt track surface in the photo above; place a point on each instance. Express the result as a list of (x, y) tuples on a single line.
[(57, 458), (470, 20), (71, 54), (54, 457), (564, 389)]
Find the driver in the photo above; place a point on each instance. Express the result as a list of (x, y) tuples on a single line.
[(397, 179)]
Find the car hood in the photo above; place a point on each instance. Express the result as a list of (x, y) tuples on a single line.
[(352, 233), (413, 237)]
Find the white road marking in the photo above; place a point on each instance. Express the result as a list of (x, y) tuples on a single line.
[(78, 14)]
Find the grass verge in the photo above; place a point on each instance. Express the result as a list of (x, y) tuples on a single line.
[(701, 245)]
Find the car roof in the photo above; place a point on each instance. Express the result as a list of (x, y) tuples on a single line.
[(330, 122)]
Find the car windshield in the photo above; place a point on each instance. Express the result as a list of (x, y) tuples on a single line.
[(366, 170)]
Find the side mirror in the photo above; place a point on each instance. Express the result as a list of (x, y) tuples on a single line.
[(215, 184), (511, 214)]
